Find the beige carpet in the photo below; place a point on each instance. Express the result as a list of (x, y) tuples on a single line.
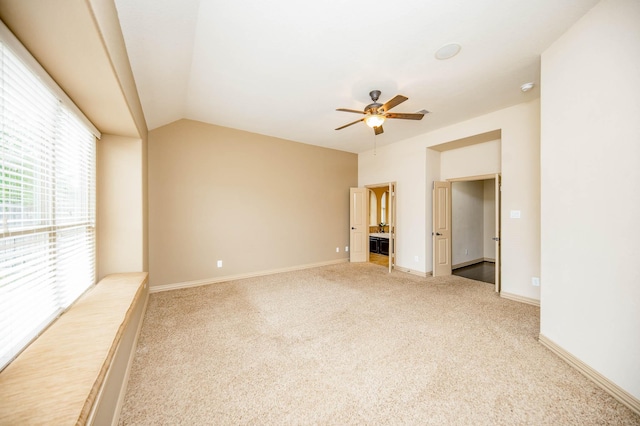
[(351, 344)]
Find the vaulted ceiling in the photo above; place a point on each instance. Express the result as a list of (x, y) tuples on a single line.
[(282, 67)]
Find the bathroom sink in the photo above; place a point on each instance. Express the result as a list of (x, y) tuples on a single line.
[(379, 234)]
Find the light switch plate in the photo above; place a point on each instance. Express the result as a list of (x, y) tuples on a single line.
[(514, 214)]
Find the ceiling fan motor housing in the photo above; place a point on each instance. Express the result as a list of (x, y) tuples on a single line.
[(372, 108)]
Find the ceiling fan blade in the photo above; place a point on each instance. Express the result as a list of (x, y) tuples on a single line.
[(406, 116), (378, 130), (393, 102), (350, 110), (347, 125)]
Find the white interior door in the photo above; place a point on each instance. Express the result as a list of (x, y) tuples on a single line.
[(392, 226), (441, 228), (358, 223), (497, 237)]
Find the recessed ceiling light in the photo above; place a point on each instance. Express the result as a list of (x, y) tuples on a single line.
[(448, 51), (527, 86)]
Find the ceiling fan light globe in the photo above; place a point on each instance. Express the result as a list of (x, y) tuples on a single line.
[(374, 120)]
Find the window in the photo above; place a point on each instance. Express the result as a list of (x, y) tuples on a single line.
[(383, 207), (47, 203), (373, 209)]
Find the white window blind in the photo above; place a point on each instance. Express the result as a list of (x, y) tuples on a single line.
[(47, 205)]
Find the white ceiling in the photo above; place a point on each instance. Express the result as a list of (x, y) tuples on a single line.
[(282, 67)]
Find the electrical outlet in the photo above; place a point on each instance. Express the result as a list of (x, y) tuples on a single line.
[(337, 249), (346, 248), (535, 281), (219, 263), (416, 258), (466, 251)]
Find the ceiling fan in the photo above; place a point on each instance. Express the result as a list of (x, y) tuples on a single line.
[(376, 113)]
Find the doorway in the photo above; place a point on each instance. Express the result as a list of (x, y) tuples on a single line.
[(373, 222), (473, 229), (467, 228), (382, 220), (378, 225)]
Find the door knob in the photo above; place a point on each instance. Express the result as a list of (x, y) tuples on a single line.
[(438, 234), (353, 227)]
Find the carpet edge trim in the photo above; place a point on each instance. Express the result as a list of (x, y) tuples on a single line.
[(601, 381)]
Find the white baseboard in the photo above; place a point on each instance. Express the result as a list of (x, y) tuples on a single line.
[(607, 385), (473, 262), (467, 263), (521, 299), (411, 271), (197, 283)]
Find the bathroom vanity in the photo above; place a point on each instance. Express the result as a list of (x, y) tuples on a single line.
[(379, 243)]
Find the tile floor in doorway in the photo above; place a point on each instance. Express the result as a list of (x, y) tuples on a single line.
[(483, 271)]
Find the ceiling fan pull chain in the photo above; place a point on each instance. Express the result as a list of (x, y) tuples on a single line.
[(375, 144)]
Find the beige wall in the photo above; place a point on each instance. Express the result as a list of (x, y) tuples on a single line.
[(473, 160), (590, 304), (257, 203), (414, 167), (467, 219), (80, 45), (120, 205)]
